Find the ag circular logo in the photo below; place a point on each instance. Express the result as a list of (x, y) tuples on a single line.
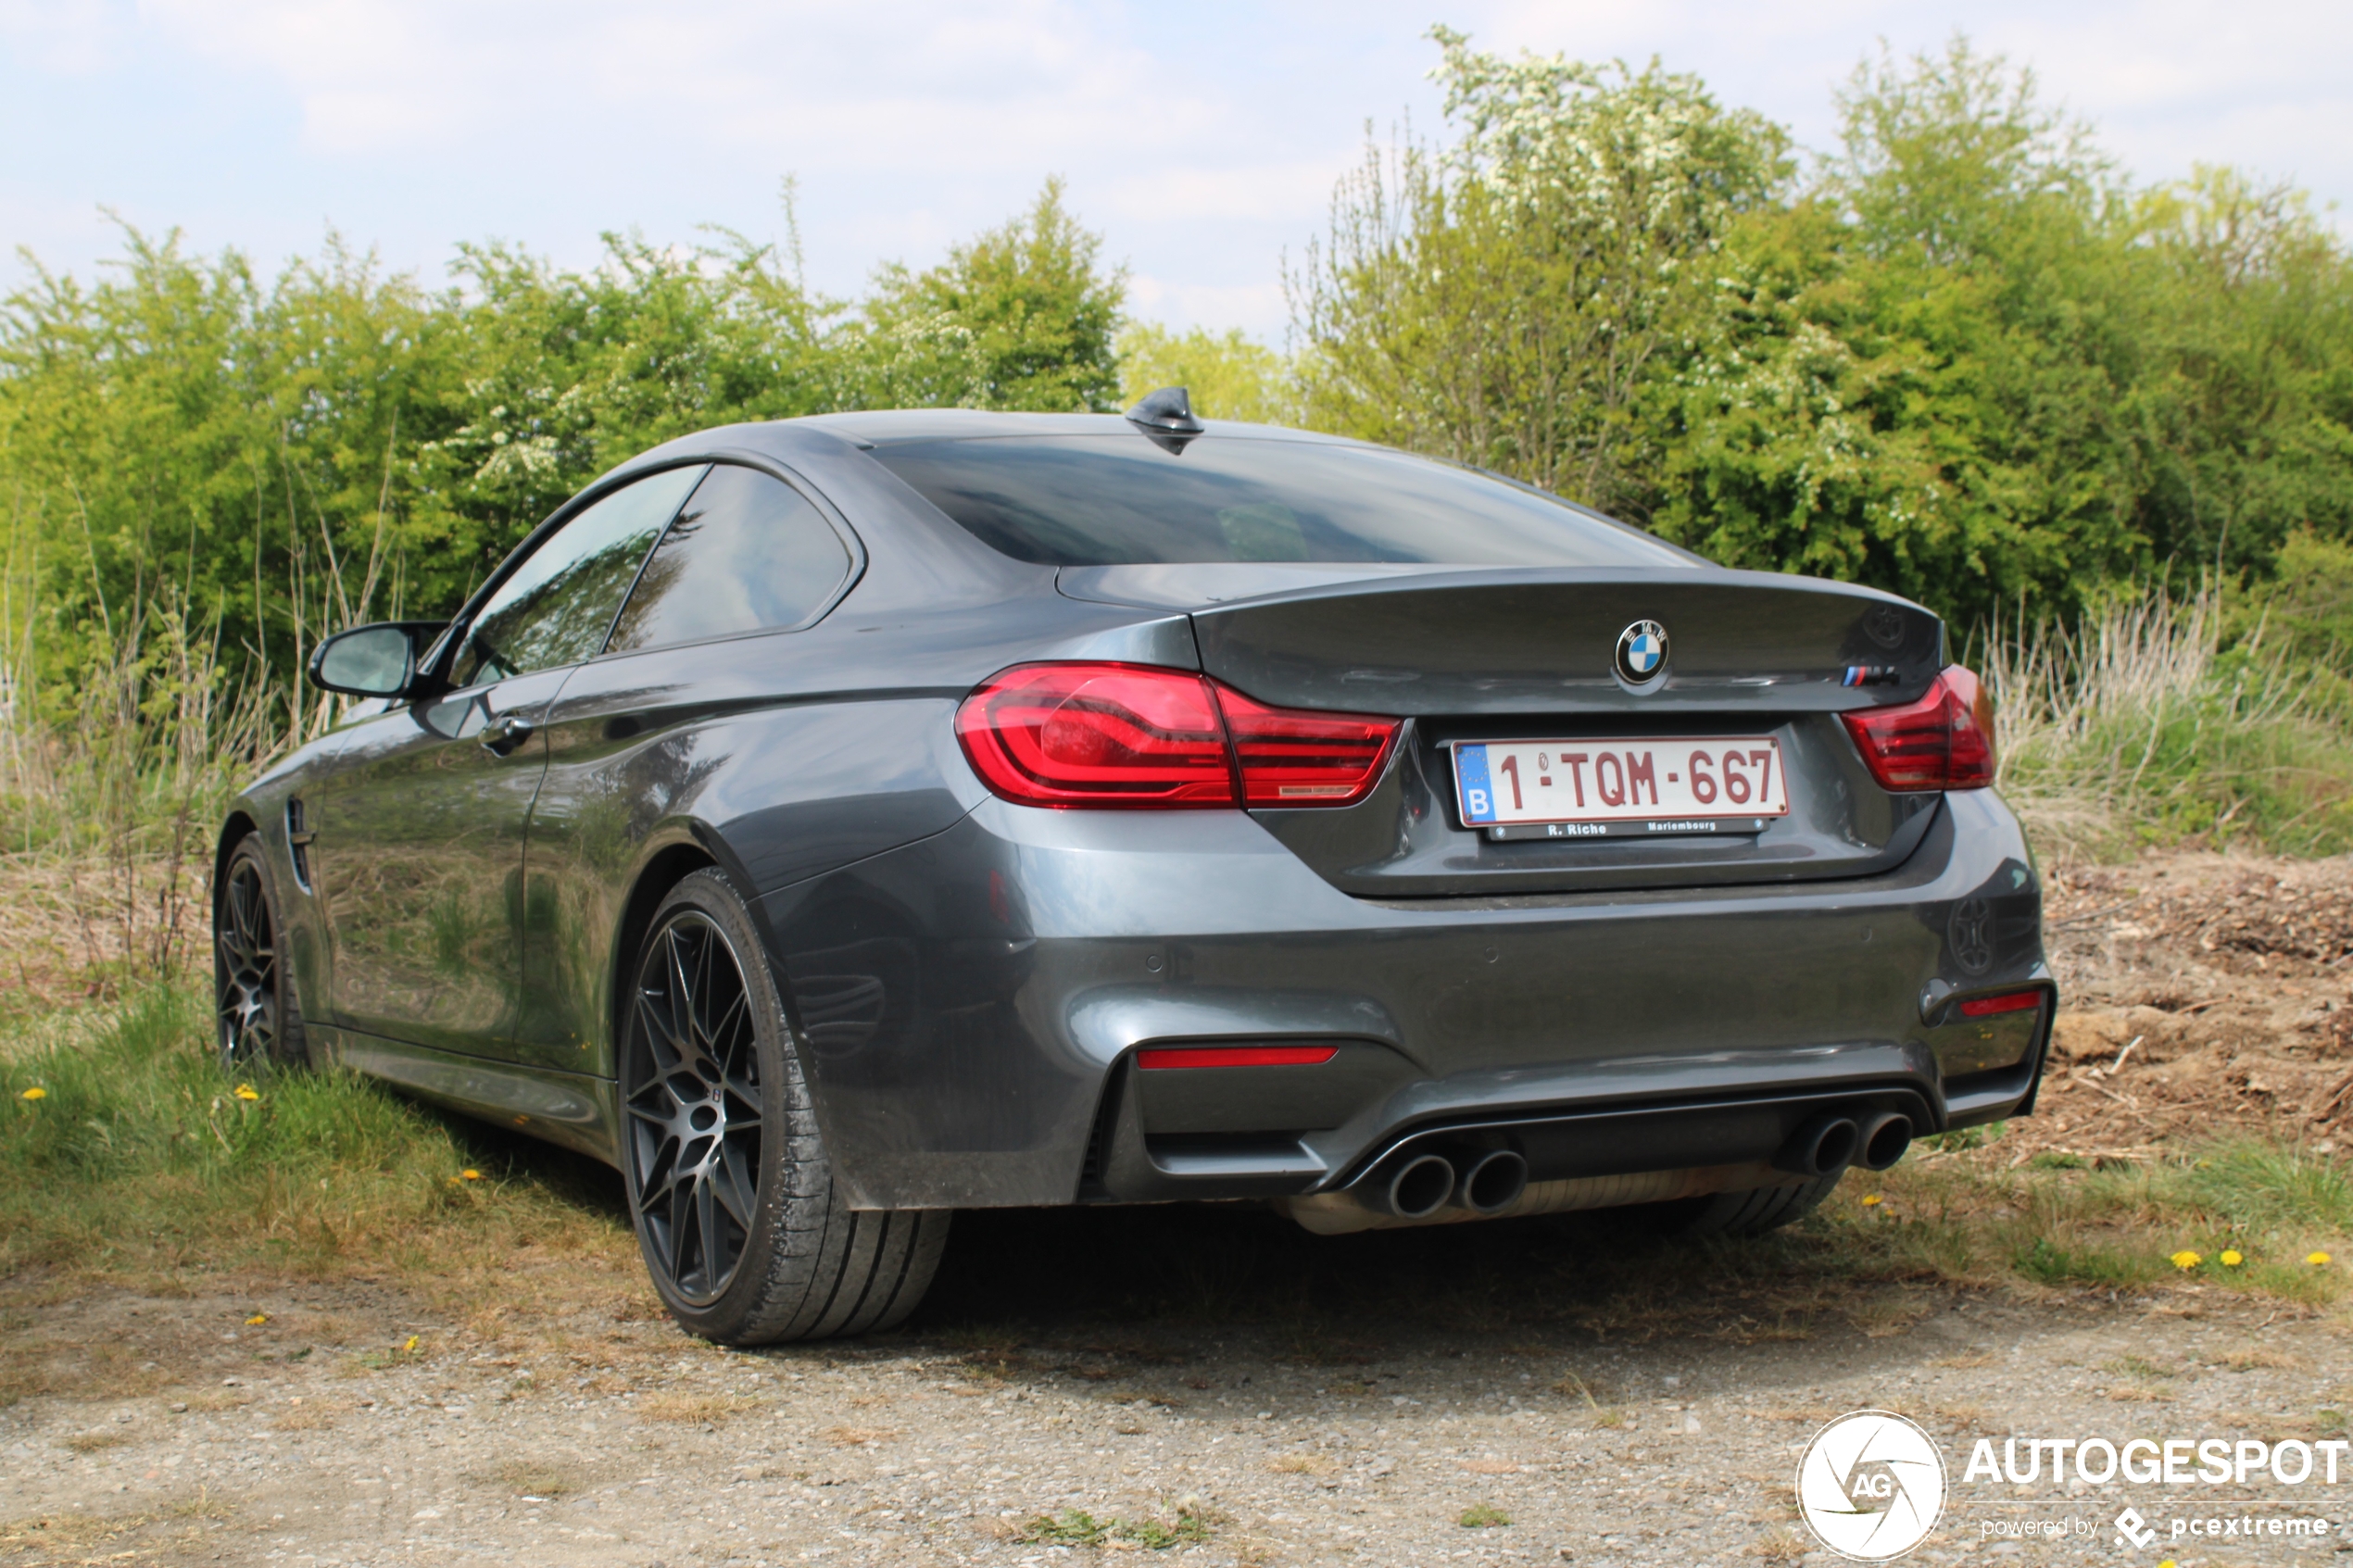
[(1641, 652), (1870, 1485)]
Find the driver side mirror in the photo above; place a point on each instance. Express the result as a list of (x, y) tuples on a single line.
[(379, 661)]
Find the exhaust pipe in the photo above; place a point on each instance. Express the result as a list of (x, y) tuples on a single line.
[(1824, 1146), (1491, 1182), (1885, 1137), (1421, 1186)]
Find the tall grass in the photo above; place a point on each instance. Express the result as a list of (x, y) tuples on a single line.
[(114, 778), (2138, 725), (136, 1159)]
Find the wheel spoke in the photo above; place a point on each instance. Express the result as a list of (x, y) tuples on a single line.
[(662, 1032), (707, 1222), (699, 1011), (658, 1118), (682, 1216), (732, 1185), (682, 986), (731, 1033), (745, 1094)]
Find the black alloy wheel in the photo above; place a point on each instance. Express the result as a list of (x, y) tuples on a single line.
[(747, 1237), (253, 995), (696, 1110)]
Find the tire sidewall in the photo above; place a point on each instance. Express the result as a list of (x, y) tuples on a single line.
[(708, 894)]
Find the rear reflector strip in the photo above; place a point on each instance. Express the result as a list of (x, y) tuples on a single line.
[(1986, 1007), (1155, 1058)]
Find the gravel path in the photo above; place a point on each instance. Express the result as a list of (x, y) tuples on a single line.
[(322, 1437)]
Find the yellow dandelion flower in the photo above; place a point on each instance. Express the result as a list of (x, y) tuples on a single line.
[(411, 1346), (246, 1091), (1873, 1201), (36, 1092), (2185, 1259), (2318, 1259), (257, 1319), (2232, 1257), (471, 1175)]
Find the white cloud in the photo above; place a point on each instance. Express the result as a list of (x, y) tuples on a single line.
[(1204, 143)]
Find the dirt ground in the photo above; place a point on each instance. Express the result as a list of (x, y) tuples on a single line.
[(1214, 1382)]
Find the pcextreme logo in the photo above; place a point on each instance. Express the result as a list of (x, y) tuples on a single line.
[(1871, 1485)]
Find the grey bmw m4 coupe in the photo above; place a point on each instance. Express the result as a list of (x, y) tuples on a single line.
[(837, 822)]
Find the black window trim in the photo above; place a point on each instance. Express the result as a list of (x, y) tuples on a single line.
[(438, 658), (806, 492)]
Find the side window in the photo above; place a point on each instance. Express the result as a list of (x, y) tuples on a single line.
[(559, 604), (747, 553)]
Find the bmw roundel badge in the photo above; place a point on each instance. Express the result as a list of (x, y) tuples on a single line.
[(1641, 652)]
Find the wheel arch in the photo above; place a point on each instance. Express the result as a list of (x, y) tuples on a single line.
[(240, 825), (664, 867)]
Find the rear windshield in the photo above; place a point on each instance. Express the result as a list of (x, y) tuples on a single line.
[(1121, 500)]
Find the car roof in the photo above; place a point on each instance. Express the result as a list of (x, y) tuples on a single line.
[(883, 427)]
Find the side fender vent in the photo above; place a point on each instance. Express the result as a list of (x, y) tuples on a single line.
[(298, 837)]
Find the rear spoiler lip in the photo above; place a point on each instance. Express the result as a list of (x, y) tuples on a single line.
[(1210, 586)]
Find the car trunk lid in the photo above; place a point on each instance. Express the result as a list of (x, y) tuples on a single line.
[(1531, 654)]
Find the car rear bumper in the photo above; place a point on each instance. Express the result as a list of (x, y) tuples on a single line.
[(971, 1007)]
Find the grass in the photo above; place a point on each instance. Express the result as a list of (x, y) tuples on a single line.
[(137, 1161), (2115, 1227), (1189, 1525), (2157, 720)]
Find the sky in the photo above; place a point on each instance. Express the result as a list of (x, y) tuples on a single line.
[(1201, 138)]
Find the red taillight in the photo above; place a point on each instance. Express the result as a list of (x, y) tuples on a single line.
[(1153, 1059), (2014, 1001), (1098, 734), (1944, 741), (1138, 736), (1294, 758)]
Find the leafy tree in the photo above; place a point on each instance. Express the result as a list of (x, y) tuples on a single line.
[(568, 374), (178, 435), (1505, 301), (2239, 415), (1914, 380), (1024, 317)]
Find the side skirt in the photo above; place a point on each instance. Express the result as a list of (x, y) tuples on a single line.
[(575, 1109)]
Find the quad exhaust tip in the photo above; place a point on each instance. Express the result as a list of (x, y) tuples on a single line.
[(1828, 1143), (1421, 1186), (1488, 1182), (1885, 1137), (1822, 1147), (1492, 1182)]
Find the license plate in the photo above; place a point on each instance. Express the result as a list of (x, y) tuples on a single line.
[(1598, 788)]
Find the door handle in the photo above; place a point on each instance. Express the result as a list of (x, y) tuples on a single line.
[(503, 735)]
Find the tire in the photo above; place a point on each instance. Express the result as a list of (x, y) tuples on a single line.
[(1756, 1210), (258, 1021), (747, 1237)]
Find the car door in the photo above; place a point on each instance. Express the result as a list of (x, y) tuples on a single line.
[(690, 682), (419, 849)]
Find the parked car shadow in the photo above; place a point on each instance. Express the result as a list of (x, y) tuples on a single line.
[(1181, 1271)]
